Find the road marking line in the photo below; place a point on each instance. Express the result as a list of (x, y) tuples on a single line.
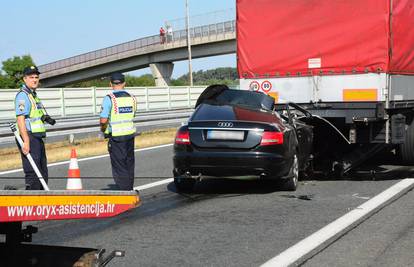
[(85, 159), (146, 186), (317, 241)]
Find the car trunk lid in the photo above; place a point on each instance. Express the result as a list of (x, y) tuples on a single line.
[(231, 127)]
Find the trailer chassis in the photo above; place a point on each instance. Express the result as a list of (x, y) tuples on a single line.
[(347, 134)]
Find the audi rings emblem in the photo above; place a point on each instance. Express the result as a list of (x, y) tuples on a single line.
[(225, 124)]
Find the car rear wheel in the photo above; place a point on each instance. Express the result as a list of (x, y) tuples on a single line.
[(183, 184), (291, 183)]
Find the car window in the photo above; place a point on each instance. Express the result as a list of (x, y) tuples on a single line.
[(245, 98)]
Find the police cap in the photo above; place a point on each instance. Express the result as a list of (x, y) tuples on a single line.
[(117, 78), (31, 70)]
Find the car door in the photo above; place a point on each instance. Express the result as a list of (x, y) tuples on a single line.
[(304, 135)]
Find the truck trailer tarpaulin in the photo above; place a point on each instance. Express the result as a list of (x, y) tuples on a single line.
[(307, 37)]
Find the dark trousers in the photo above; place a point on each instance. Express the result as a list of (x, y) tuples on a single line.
[(123, 162), (38, 152)]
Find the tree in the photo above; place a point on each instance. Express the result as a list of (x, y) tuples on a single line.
[(131, 81), (228, 76), (6, 82), (90, 83), (178, 82), (13, 69), (143, 80)]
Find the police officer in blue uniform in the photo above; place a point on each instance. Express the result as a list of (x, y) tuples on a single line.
[(116, 120), (30, 117)]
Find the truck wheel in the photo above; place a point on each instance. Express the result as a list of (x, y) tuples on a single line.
[(291, 183), (184, 185), (407, 149)]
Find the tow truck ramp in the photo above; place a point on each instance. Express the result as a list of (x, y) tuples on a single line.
[(17, 206)]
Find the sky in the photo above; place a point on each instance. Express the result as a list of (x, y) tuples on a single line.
[(50, 30)]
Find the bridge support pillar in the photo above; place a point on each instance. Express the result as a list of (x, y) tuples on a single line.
[(162, 73)]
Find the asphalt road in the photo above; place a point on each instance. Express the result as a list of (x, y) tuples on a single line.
[(386, 239), (234, 223)]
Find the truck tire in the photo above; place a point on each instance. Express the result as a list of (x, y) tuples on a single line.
[(407, 149)]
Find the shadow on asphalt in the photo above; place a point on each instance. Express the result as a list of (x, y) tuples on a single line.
[(383, 167), (152, 205), (368, 173), (230, 187), (379, 173), (386, 166)]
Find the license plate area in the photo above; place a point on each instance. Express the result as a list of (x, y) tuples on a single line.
[(225, 135)]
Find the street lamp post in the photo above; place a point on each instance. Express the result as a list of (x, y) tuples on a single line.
[(187, 22)]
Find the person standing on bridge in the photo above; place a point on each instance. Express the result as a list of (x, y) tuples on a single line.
[(30, 117), (116, 120), (162, 35)]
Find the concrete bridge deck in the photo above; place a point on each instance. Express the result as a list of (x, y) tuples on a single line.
[(210, 40)]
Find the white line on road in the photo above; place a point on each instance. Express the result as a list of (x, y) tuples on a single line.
[(90, 158), (320, 239), (146, 186)]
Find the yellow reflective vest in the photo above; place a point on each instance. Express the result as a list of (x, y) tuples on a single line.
[(122, 114), (36, 113)]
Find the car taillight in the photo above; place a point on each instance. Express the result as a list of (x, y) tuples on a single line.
[(271, 138), (182, 138)]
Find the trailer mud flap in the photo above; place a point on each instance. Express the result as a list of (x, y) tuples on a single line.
[(398, 129)]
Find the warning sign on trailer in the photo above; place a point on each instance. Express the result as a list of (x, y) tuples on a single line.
[(266, 86), (314, 63), (254, 86)]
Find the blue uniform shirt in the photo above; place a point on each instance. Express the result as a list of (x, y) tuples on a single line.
[(106, 107), (23, 107)]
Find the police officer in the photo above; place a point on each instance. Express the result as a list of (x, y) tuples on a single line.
[(116, 120), (30, 114)]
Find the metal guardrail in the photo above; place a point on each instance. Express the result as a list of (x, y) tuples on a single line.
[(67, 102), (84, 126), (196, 32)]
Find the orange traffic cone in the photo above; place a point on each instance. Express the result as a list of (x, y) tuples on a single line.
[(74, 180)]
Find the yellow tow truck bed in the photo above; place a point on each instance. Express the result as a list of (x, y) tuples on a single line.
[(18, 206)]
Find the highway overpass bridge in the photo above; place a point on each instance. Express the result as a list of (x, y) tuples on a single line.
[(209, 40)]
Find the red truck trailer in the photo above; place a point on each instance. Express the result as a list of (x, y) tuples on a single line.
[(350, 63)]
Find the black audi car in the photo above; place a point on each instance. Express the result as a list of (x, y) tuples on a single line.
[(237, 133)]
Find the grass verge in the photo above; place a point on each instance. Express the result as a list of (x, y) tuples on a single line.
[(60, 151)]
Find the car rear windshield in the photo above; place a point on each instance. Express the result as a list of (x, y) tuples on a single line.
[(245, 98)]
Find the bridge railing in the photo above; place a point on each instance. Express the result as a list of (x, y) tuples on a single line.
[(142, 43), (67, 102)]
